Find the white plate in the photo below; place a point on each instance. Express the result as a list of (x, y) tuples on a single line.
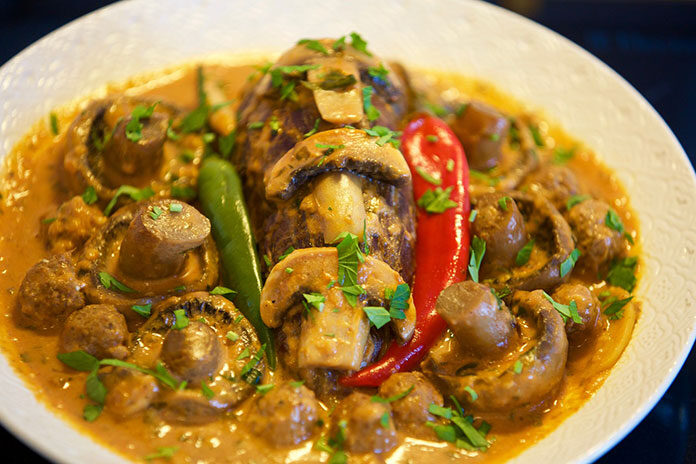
[(520, 57)]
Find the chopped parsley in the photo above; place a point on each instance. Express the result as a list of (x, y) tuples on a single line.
[(471, 392), (494, 137), (517, 367), (171, 134), (274, 124), (255, 125), (472, 215), (334, 445), (314, 129), (569, 263), (391, 399), (315, 299), (328, 149), (182, 192), (614, 309), (135, 193), (226, 143), (378, 316), (349, 255), (54, 123), (398, 300), (384, 420), (478, 249), (285, 254), (502, 202), (563, 155), (482, 176), (428, 177), (48, 220), (378, 72), (263, 389), (524, 254), (339, 44), (569, 311), (296, 383), (450, 165), (461, 430), (207, 392), (536, 135), (181, 321), (134, 128), (219, 290), (432, 138), (89, 196), (371, 112), (576, 200), (314, 45), (335, 79), (437, 110), (249, 372), (163, 452), (289, 270), (385, 135), (613, 221), (437, 201), (143, 310), (231, 336), (92, 411), (156, 212), (352, 292), (108, 281), (622, 273), (359, 43), (244, 354), (267, 260), (176, 207)]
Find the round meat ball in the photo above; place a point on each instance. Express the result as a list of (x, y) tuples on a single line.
[(597, 242), (193, 353), (49, 292), (411, 410), (555, 183), (74, 223), (99, 329), (502, 228), (361, 419), (128, 392), (287, 415)]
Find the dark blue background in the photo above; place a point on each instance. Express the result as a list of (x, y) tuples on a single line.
[(650, 43)]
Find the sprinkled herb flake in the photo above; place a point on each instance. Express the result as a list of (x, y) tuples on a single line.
[(54, 123), (156, 213), (219, 290), (134, 128), (502, 202), (181, 321), (207, 392), (232, 336), (378, 316), (431, 179), (314, 129), (135, 193), (576, 200), (108, 281), (359, 43), (89, 196), (371, 112), (391, 399), (569, 263), (450, 165), (622, 273), (437, 201), (615, 308), (478, 249), (569, 311), (524, 254), (143, 310), (314, 45), (163, 452)]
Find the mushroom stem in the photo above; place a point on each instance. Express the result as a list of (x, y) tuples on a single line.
[(158, 238)]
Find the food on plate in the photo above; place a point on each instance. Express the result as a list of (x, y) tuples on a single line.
[(329, 257)]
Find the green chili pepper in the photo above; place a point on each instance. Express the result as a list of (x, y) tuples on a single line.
[(222, 201)]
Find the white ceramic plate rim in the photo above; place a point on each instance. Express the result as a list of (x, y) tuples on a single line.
[(497, 45)]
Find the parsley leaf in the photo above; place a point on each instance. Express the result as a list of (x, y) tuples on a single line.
[(315, 299), (314, 129), (335, 79), (622, 273), (165, 452), (108, 281), (135, 193), (207, 392), (181, 321), (315, 45), (378, 316), (615, 309), (352, 292), (575, 200), (502, 202), (391, 399), (478, 249), (54, 123), (525, 252), (563, 155), (227, 143), (482, 176), (569, 311), (359, 43), (92, 411), (569, 263), (536, 135), (437, 201), (378, 72), (219, 290), (143, 310), (90, 196), (134, 128), (263, 389), (371, 112), (79, 360), (431, 179), (349, 255), (385, 135)]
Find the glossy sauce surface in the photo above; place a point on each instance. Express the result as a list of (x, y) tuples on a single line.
[(30, 193)]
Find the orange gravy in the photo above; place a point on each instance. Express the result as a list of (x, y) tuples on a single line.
[(29, 194)]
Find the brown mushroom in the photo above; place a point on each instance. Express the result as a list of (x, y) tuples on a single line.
[(336, 150), (148, 259), (104, 152), (482, 131), (337, 336)]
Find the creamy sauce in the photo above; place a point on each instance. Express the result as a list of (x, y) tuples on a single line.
[(30, 193)]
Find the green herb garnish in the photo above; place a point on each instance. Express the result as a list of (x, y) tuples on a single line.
[(314, 45), (135, 193), (371, 112), (428, 177), (108, 281), (524, 254), (181, 321), (143, 310), (575, 200), (359, 43), (54, 123), (134, 128), (219, 290), (437, 201), (391, 399), (622, 273), (569, 263), (314, 129), (89, 196), (478, 249)]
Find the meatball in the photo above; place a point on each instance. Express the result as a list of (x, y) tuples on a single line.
[(193, 353), (99, 329), (482, 131), (411, 410), (287, 415), (555, 183), (500, 224), (480, 324), (49, 292), (587, 304), (362, 421), (128, 392), (597, 242), (74, 223)]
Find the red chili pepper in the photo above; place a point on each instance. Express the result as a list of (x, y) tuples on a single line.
[(442, 247)]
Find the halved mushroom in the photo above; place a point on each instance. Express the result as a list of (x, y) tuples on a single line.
[(335, 150), (109, 145), (530, 371), (337, 336), (152, 249), (210, 346), (337, 93), (553, 243)]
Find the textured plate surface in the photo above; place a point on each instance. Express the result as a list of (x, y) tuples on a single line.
[(520, 57)]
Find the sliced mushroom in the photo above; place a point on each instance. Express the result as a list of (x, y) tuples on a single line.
[(133, 232), (337, 93), (217, 348), (553, 243), (101, 153), (512, 381), (336, 150), (313, 269)]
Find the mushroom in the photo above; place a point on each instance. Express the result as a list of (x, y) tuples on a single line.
[(555, 183), (336, 150), (103, 152), (482, 131), (151, 249), (337, 336), (336, 93), (553, 243), (215, 347), (531, 370)]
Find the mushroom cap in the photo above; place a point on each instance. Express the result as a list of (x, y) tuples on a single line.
[(100, 254), (354, 151), (193, 353)]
